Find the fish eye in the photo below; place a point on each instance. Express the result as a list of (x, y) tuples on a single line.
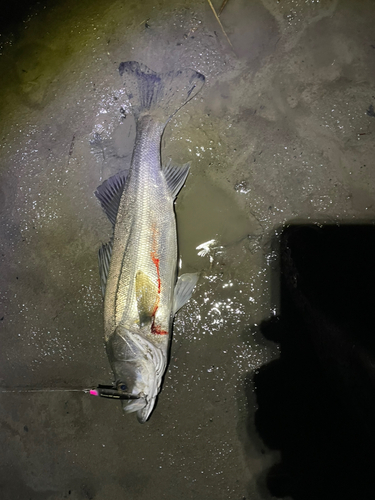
[(121, 386)]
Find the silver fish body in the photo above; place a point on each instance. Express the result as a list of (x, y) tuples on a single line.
[(139, 266)]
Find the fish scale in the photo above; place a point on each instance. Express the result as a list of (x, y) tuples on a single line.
[(148, 187)]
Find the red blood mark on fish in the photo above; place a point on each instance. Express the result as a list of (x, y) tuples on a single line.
[(154, 256), (156, 261), (156, 329)]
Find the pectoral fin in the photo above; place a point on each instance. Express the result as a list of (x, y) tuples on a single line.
[(184, 289), (147, 297)]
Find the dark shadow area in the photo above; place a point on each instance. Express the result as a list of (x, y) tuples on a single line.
[(13, 14), (316, 404)]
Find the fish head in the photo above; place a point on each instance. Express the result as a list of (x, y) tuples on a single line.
[(138, 367)]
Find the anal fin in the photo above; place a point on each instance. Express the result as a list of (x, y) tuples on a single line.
[(175, 176)]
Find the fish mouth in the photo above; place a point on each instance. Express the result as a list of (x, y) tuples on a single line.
[(142, 406), (144, 413), (134, 405)]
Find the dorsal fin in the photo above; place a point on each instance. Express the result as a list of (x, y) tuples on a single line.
[(109, 194), (104, 256), (175, 176)]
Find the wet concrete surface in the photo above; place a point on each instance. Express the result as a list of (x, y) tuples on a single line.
[(282, 132)]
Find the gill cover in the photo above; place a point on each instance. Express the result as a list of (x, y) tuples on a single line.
[(138, 365)]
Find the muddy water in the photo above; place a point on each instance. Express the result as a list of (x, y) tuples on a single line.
[(280, 133)]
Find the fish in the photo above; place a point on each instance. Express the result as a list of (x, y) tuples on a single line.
[(138, 266)]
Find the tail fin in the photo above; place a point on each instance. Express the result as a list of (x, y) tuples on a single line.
[(161, 95)]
